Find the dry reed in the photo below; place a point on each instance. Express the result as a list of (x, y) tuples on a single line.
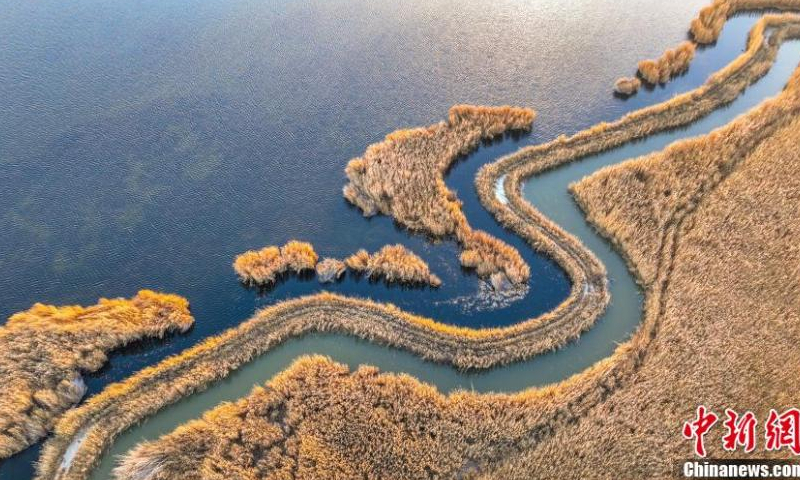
[(671, 63), (330, 270), (393, 263), (403, 177), (263, 267), (46, 348), (627, 85)]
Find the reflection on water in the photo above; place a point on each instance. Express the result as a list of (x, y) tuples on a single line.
[(146, 143)]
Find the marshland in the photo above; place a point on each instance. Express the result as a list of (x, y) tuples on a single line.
[(231, 303)]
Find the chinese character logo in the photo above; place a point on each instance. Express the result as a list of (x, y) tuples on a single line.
[(698, 429), (781, 430)]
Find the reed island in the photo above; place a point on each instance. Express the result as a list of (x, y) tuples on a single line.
[(392, 263), (709, 238)]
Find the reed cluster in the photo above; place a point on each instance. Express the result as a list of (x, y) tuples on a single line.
[(537, 427), (708, 24), (263, 267), (330, 270), (403, 176), (44, 350), (393, 263), (627, 85), (671, 63)]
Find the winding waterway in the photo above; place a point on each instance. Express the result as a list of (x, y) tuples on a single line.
[(548, 192), (61, 245)]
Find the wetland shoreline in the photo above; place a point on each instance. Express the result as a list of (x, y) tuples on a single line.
[(515, 343)]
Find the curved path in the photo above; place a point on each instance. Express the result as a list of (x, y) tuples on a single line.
[(86, 431)]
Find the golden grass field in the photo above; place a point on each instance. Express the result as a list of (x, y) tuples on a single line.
[(712, 222), (322, 421), (46, 348)]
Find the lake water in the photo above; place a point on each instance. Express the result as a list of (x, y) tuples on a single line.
[(146, 144)]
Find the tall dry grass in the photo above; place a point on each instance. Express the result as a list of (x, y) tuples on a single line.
[(627, 85), (722, 212), (403, 177), (44, 350), (671, 63), (330, 269), (263, 267), (393, 263)]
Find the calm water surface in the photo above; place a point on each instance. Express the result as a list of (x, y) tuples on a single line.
[(144, 144)]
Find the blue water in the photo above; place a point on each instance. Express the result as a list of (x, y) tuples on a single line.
[(144, 145)]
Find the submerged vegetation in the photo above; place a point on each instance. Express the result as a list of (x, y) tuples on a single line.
[(393, 263), (316, 419), (671, 63), (403, 176), (263, 267), (44, 350)]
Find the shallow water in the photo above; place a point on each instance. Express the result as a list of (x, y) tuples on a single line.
[(147, 143)]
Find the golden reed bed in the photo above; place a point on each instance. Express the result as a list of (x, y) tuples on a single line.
[(403, 177), (121, 405)]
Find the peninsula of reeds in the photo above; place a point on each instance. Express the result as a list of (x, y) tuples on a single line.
[(393, 263), (403, 177), (45, 349)]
